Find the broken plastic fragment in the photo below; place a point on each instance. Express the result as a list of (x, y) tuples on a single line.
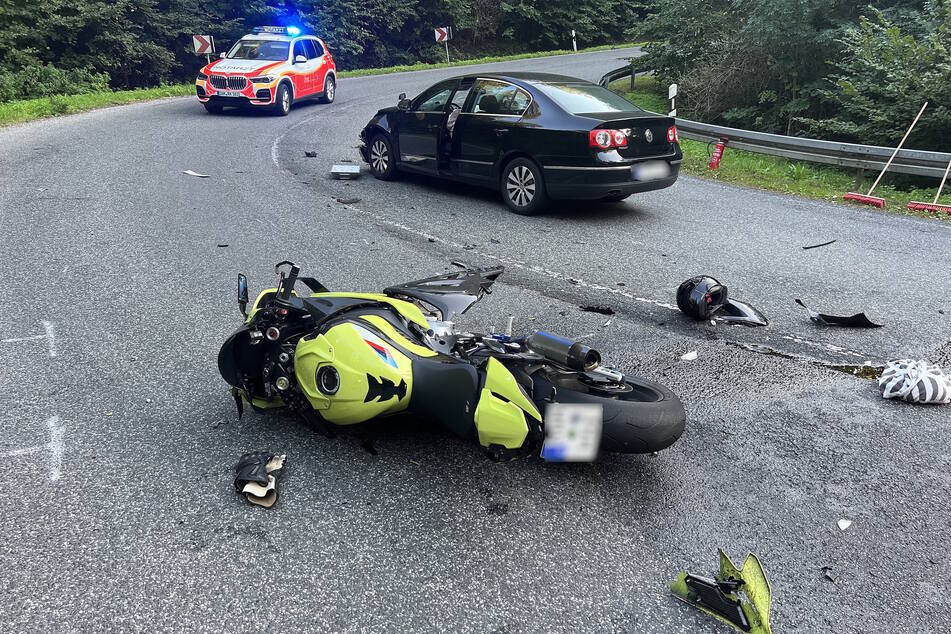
[(196, 174), (690, 356), (721, 597), (844, 524), (737, 312), (859, 320), (816, 246)]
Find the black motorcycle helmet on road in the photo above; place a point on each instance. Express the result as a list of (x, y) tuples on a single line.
[(702, 296)]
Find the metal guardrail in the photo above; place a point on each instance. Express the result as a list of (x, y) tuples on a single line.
[(861, 157)]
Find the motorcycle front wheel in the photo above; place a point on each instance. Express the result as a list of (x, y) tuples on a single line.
[(639, 416)]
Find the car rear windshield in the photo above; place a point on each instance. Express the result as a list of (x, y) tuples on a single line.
[(266, 50), (579, 98)]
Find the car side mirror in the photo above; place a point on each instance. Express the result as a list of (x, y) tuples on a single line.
[(404, 103), (243, 294), (300, 59), (223, 54)]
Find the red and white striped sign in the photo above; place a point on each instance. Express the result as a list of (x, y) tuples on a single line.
[(443, 33), (203, 44)]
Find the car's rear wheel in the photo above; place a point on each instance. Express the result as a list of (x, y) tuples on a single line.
[(330, 90), (523, 187), (282, 101), (213, 108), (382, 161)]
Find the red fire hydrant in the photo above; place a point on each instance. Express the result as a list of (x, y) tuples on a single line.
[(718, 153)]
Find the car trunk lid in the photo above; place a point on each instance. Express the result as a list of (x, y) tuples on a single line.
[(646, 132)]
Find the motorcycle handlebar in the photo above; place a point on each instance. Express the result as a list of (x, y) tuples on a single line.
[(286, 286)]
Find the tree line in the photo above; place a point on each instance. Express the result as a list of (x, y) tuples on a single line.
[(838, 69)]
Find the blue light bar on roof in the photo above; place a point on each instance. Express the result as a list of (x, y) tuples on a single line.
[(278, 30)]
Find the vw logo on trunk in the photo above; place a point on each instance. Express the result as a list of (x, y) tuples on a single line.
[(648, 135)]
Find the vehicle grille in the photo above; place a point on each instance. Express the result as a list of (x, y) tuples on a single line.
[(228, 83)]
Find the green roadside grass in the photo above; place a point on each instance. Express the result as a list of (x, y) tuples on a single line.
[(773, 173), (30, 109)]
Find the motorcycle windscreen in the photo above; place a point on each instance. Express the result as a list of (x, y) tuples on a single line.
[(739, 312), (451, 294)]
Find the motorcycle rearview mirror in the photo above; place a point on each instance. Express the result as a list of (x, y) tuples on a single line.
[(243, 294)]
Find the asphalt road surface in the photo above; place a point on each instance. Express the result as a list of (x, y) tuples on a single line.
[(119, 438)]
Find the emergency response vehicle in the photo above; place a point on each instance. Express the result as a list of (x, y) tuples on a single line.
[(272, 68)]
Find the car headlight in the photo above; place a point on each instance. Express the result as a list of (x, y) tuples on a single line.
[(202, 77), (264, 79)]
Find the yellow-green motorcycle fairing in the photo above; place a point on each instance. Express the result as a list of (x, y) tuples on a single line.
[(375, 377), (500, 414)]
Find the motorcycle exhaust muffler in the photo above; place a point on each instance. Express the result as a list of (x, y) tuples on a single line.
[(572, 354)]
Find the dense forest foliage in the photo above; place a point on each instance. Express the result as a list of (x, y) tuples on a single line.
[(840, 69), (836, 69)]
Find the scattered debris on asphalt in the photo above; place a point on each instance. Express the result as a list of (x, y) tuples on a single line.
[(222, 246), (816, 246), (606, 324), (601, 310), (690, 356), (345, 172), (255, 477), (494, 241), (827, 573), (721, 597), (843, 524), (704, 298), (915, 381), (195, 174), (431, 239), (310, 154), (859, 320), (347, 201)]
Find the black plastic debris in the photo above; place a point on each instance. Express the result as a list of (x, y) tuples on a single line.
[(859, 320), (222, 246), (348, 201), (601, 310), (816, 246), (309, 154)]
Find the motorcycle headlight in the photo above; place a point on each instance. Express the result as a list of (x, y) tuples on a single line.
[(264, 79), (202, 77)]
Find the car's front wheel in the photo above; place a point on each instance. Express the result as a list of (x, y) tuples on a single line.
[(330, 90), (282, 101), (523, 187), (382, 161)]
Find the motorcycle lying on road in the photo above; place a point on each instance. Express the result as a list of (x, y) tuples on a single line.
[(339, 359)]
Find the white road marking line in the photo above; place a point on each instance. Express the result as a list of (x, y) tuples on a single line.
[(22, 452), (51, 339), (18, 339), (49, 335), (56, 447)]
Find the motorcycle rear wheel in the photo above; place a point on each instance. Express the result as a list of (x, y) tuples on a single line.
[(639, 417)]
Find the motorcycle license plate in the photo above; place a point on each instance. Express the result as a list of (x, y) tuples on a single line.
[(572, 432), (650, 170), (229, 93)]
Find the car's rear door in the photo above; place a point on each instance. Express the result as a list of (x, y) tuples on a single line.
[(315, 59), (420, 127), (487, 127)]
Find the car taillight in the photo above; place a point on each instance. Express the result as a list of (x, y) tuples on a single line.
[(607, 139), (672, 135)]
